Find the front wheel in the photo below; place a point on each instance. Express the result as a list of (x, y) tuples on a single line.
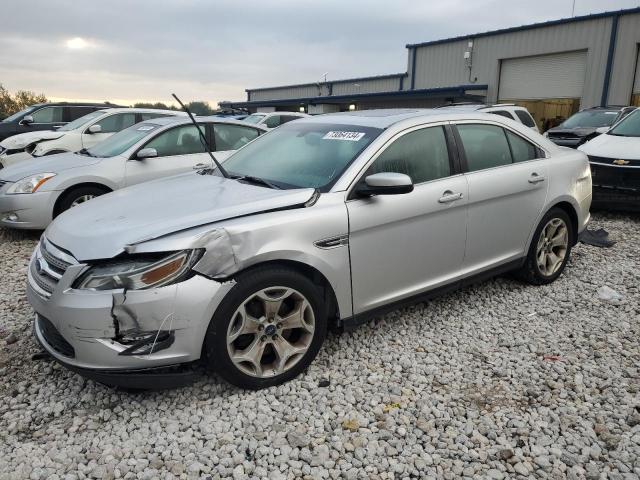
[(77, 196), (268, 328), (550, 248)]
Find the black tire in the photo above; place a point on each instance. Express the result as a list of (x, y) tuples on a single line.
[(68, 198), (215, 349), (530, 271)]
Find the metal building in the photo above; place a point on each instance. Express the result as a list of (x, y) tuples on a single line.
[(553, 68)]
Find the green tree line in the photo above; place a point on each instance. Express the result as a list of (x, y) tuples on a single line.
[(12, 103)]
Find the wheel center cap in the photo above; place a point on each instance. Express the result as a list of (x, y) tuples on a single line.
[(270, 329)]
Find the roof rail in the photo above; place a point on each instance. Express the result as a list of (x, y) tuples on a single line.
[(453, 104)]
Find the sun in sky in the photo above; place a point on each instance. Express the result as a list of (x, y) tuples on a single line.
[(77, 43)]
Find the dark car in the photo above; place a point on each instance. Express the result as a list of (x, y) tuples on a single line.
[(582, 126), (46, 116)]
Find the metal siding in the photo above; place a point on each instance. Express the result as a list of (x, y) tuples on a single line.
[(636, 85), (625, 61), (545, 76), (366, 86), (444, 63), (289, 92)]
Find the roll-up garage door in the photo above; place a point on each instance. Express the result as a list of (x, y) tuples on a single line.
[(559, 75)]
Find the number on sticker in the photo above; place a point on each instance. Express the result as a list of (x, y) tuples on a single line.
[(349, 136)]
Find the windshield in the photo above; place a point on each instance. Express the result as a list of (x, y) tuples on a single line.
[(79, 122), (302, 155), (121, 141), (253, 118), (590, 118), (15, 116), (627, 127)]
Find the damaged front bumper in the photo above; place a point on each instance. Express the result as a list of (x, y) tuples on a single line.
[(113, 330)]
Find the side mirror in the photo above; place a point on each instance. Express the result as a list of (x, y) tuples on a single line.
[(385, 183), (26, 120), (147, 153), (601, 130), (94, 129)]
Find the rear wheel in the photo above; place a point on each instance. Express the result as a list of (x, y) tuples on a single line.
[(77, 196), (550, 248), (268, 328)]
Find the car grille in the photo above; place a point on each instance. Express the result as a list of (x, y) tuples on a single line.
[(607, 174), (48, 266), (563, 136), (53, 337)]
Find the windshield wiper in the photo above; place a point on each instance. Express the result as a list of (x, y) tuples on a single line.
[(84, 151), (257, 181)]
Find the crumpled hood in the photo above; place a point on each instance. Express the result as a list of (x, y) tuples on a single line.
[(613, 146), (103, 227), (23, 139), (47, 164)]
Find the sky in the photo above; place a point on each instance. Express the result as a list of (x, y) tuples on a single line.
[(127, 51)]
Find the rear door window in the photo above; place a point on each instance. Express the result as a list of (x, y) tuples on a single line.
[(525, 118), (183, 140), (232, 137), (273, 121), (150, 115), (503, 113), (116, 122), (521, 149), (77, 112), (485, 146)]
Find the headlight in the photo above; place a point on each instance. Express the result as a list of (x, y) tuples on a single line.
[(140, 273), (30, 184)]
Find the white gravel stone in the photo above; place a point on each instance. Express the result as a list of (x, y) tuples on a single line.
[(500, 380)]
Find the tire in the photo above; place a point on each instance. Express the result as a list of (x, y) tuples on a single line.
[(257, 295), (75, 196), (545, 261)]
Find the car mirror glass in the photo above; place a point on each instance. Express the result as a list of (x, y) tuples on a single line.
[(385, 183), (147, 153)]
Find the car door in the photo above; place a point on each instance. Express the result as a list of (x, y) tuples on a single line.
[(507, 178), (45, 118), (228, 138), (108, 126), (402, 245), (179, 150)]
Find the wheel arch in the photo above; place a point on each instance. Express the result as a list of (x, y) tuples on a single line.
[(568, 205), (56, 206)]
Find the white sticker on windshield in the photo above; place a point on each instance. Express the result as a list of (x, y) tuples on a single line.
[(145, 128), (350, 136), (610, 113)]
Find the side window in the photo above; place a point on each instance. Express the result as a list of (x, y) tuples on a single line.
[(149, 116), (521, 149), (525, 118), (232, 137), (421, 154), (48, 115), (287, 118), (503, 113), (485, 146), (116, 122), (183, 140), (77, 112), (273, 121)]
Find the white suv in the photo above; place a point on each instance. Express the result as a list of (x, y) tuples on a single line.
[(82, 133), (273, 119), (507, 110)]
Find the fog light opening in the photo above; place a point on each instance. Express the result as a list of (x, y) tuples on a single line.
[(11, 217)]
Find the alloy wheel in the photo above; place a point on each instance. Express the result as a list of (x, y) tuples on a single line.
[(270, 332), (81, 199), (553, 244)]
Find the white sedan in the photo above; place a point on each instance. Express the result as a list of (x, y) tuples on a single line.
[(83, 132)]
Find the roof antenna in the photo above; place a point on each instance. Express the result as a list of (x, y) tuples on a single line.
[(573, 9), (202, 138)]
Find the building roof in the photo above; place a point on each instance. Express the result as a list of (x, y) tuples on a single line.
[(549, 23), (343, 80)]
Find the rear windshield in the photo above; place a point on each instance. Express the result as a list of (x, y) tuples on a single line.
[(590, 119)]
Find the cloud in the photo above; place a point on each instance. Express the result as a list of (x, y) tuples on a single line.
[(145, 50)]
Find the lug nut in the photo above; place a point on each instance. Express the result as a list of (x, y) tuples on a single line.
[(263, 338)]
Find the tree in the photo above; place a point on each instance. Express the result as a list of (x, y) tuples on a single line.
[(10, 104), (158, 105)]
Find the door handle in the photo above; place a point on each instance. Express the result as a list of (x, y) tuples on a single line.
[(200, 166), (449, 196), (535, 178)]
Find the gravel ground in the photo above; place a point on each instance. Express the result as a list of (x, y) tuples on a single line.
[(500, 380)]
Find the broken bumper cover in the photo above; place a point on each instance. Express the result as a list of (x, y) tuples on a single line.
[(86, 330)]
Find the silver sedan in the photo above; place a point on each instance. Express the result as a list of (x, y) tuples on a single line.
[(325, 221), (36, 190)]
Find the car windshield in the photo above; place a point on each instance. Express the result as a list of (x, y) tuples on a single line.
[(253, 118), (79, 122), (590, 119), (628, 127), (302, 154), (121, 141), (16, 116)]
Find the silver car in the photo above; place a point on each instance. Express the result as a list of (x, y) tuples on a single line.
[(323, 222), (34, 192)]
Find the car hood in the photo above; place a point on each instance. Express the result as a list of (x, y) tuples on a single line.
[(23, 139), (103, 227), (48, 164), (613, 146), (577, 131)]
